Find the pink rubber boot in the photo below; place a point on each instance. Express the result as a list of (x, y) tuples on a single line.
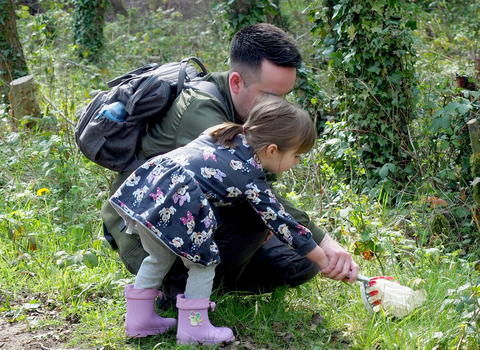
[(141, 319), (194, 326)]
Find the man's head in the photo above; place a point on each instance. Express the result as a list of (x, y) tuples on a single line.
[(263, 59)]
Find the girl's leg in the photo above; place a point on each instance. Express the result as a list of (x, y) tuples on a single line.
[(142, 319), (193, 308), (155, 266), (199, 281)]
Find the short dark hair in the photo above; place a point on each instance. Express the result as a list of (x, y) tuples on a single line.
[(262, 41)]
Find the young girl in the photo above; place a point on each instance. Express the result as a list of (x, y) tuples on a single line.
[(169, 200)]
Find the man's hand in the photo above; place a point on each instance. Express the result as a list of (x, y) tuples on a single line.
[(340, 263)]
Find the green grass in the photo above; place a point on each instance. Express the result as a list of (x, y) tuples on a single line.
[(74, 281), (322, 314)]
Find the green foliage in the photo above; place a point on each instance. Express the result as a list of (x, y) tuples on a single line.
[(242, 13), (370, 47), (440, 225), (87, 26), (50, 228)]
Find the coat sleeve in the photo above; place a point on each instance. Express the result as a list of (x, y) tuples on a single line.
[(301, 216), (280, 222)]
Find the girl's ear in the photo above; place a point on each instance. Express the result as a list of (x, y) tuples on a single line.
[(271, 150)]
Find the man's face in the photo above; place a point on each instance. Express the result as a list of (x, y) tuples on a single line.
[(273, 79)]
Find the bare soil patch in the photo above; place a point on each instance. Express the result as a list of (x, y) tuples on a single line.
[(30, 321)]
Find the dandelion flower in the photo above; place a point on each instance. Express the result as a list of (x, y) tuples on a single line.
[(42, 191)]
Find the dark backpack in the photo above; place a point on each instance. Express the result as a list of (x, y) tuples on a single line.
[(111, 126)]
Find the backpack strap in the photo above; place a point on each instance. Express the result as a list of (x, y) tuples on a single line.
[(131, 74), (183, 69)]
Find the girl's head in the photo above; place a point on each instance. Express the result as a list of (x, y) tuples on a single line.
[(272, 121)]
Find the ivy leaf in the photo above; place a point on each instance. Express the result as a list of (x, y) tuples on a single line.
[(475, 95), (412, 25), (351, 32), (348, 57), (328, 51), (475, 182), (337, 58), (375, 68), (336, 10)]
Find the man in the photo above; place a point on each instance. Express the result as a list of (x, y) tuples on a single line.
[(263, 59)]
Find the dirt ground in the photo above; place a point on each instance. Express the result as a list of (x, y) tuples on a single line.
[(29, 322)]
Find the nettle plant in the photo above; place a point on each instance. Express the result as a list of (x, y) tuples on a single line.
[(369, 46)]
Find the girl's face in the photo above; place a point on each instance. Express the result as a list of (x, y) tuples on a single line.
[(276, 161)]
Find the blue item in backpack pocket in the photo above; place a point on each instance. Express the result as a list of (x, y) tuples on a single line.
[(114, 111)]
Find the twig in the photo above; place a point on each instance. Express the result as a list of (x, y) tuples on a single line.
[(475, 218), (86, 69), (20, 247), (379, 135), (461, 339), (41, 345), (439, 54), (379, 261), (414, 151), (384, 110), (378, 102), (28, 165), (58, 110)]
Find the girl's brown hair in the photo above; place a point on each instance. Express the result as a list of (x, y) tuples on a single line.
[(272, 119)]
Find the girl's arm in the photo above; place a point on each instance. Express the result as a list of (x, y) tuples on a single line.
[(318, 256)]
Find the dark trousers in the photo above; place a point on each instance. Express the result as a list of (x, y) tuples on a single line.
[(247, 263)]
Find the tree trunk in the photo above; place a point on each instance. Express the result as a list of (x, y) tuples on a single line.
[(474, 135), (117, 7), (23, 100), (12, 60), (88, 23)]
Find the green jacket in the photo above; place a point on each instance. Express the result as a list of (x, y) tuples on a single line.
[(190, 114)]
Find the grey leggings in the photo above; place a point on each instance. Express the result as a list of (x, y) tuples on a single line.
[(155, 266)]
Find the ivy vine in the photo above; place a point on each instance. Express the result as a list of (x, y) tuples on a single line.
[(88, 24), (12, 61), (369, 45)]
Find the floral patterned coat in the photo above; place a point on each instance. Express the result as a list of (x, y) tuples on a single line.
[(172, 195)]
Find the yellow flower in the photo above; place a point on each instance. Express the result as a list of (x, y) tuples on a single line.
[(42, 191)]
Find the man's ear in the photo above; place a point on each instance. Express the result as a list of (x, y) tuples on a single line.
[(271, 150), (235, 80)]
